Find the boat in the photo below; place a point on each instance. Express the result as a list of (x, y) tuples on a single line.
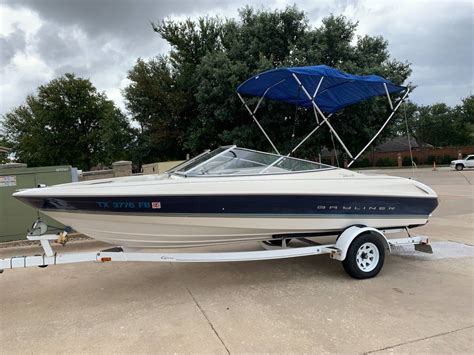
[(234, 194)]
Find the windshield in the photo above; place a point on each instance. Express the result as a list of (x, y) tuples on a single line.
[(239, 161), (190, 164)]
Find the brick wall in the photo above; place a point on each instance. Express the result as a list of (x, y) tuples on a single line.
[(423, 156)]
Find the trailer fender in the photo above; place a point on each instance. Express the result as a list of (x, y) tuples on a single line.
[(347, 237)]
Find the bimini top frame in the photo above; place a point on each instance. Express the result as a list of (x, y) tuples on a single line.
[(322, 88)]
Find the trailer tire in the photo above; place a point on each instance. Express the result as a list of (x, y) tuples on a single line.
[(365, 256)]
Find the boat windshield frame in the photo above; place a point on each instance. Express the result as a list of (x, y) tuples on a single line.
[(189, 168)]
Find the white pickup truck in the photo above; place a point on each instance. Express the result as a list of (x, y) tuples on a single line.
[(467, 162)]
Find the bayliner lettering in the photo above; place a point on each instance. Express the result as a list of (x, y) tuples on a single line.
[(356, 208)]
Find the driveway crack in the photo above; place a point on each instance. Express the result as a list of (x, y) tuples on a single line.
[(465, 177), (208, 320), (417, 340)]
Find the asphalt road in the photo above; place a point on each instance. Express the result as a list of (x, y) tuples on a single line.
[(418, 303)]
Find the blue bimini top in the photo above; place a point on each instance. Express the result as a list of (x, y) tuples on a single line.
[(337, 89)]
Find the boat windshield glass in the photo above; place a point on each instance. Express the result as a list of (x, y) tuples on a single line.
[(240, 161), (201, 158)]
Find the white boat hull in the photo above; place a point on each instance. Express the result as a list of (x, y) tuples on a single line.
[(183, 231), (158, 211)]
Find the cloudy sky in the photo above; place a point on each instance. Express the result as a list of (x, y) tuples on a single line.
[(101, 39)]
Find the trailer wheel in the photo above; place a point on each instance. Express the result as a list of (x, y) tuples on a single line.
[(459, 167), (365, 257)]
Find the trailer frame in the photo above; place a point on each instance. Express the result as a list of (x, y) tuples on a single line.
[(339, 250)]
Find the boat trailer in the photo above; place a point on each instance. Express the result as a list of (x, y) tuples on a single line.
[(360, 249)]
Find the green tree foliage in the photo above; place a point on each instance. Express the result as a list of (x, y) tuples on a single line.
[(4, 157), (67, 122), (465, 114), (466, 109), (439, 124), (159, 107), (186, 101)]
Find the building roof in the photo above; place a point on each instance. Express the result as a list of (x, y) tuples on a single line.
[(399, 144), (396, 144)]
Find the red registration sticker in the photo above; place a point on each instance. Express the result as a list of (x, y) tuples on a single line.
[(156, 205)]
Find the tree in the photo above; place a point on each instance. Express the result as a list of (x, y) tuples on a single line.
[(191, 99), (439, 124), (466, 110), (158, 107), (3, 155), (465, 121), (67, 122)]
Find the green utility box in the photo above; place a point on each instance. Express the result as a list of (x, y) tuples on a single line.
[(16, 218)]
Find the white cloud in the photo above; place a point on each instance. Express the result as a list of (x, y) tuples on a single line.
[(23, 70), (22, 17), (435, 36), (101, 40)]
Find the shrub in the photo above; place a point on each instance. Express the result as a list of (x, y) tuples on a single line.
[(430, 159), (446, 159), (407, 161), (362, 163), (386, 162)]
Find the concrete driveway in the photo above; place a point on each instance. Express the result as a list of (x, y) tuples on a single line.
[(418, 303)]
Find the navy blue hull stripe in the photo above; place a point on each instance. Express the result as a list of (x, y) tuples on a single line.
[(242, 204)]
